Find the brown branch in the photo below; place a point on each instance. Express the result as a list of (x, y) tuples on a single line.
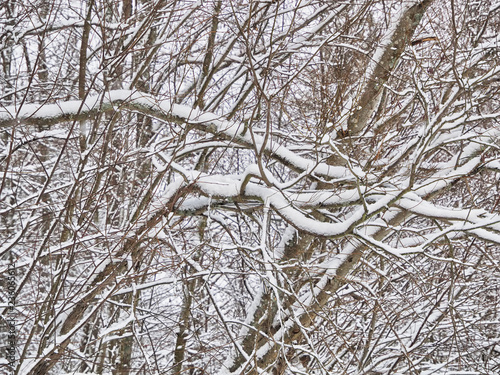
[(390, 52)]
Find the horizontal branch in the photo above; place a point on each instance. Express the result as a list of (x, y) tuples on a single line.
[(76, 110)]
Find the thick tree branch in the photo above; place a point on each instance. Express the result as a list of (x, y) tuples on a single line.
[(384, 62)]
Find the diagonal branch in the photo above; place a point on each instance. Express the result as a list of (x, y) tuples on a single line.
[(384, 63)]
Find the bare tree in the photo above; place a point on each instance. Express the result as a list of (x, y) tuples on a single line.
[(231, 187)]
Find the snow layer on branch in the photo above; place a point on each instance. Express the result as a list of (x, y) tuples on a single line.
[(163, 110)]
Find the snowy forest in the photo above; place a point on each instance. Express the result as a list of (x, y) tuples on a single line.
[(242, 187)]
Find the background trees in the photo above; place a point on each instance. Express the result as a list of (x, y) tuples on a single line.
[(244, 187)]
